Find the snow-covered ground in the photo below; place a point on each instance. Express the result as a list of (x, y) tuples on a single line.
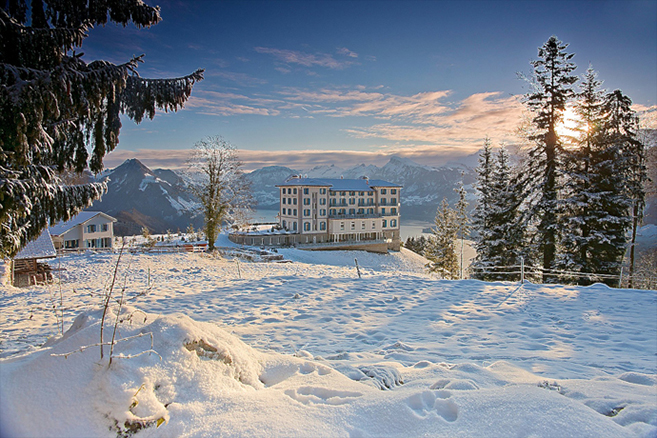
[(309, 349)]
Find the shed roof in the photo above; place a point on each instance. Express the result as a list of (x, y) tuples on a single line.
[(41, 248), (80, 218), (357, 185)]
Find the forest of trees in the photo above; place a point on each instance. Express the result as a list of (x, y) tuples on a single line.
[(571, 207)]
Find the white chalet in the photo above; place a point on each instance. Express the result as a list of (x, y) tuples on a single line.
[(322, 210), (89, 229)]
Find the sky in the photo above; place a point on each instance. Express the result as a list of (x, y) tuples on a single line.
[(306, 83)]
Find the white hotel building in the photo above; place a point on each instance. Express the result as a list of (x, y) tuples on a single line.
[(321, 210)]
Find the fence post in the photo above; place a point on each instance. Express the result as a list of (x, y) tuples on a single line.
[(239, 273), (620, 279), (522, 270), (357, 268)]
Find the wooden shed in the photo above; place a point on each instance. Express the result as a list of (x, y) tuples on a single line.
[(26, 270)]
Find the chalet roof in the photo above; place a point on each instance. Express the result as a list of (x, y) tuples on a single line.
[(41, 248), (339, 184), (81, 218)]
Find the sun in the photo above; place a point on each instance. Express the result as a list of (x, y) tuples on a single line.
[(569, 124)]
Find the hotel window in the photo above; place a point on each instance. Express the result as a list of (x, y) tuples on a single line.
[(393, 191), (295, 191), (294, 201), (383, 211), (393, 211), (370, 211), (370, 193), (322, 212), (352, 211), (333, 201), (91, 228), (305, 191), (361, 211), (361, 193), (306, 201), (393, 201), (295, 213), (385, 223), (373, 225), (332, 211), (104, 227), (306, 212), (352, 193), (283, 211), (353, 225), (322, 201), (342, 226), (283, 200), (294, 225), (306, 226), (362, 225), (342, 193), (383, 201), (322, 191), (322, 226), (393, 223), (383, 191), (352, 201)]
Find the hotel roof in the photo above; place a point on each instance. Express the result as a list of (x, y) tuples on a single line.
[(338, 184)]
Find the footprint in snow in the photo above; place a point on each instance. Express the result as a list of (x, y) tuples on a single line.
[(317, 395), (438, 403)]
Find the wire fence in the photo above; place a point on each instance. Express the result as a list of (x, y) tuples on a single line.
[(641, 279)]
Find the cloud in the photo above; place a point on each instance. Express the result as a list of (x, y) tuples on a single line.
[(305, 59), (239, 78), (216, 103), (346, 52), (297, 160)]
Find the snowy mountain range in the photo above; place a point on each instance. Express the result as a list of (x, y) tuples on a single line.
[(140, 197), (424, 186)]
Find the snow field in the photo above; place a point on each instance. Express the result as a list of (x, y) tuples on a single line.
[(307, 348)]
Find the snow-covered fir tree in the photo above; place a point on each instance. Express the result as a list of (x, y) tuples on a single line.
[(462, 224), (502, 241), (580, 204), (553, 82), (55, 107), (481, 223), (441, 247)]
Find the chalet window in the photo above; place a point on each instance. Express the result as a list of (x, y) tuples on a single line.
[(91, 228), (71, 243), (104, 227)]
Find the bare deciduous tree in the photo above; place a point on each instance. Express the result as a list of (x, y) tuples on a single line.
[(215, 176)]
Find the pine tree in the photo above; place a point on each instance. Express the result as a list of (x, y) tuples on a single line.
[(462, 223), (553, 90), (54, 107), (482, 212), (627, 175), (440, 249), (581, 209)]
